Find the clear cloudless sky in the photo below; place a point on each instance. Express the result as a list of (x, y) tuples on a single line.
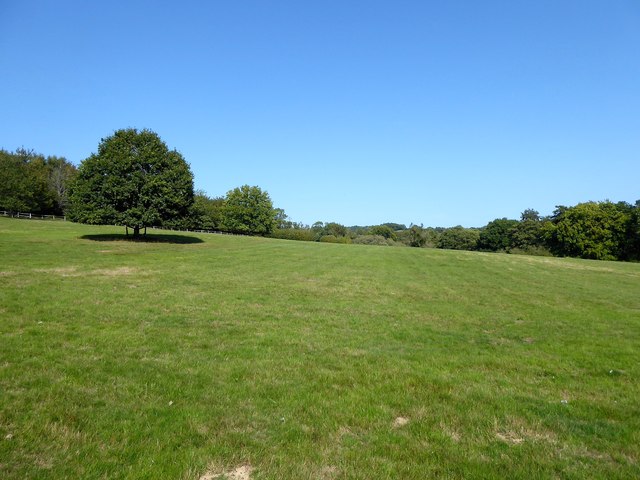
[(359, 112)]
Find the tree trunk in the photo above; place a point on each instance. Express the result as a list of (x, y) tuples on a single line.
[(136, 232)]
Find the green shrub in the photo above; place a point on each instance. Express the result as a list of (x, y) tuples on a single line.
[(371, 240), (302, 234)]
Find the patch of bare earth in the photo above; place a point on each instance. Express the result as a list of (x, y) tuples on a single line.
[(113, 272), (62, 271), (518, 432), (400, 422), (102, 272), (512, 438), (328, 473), (242, 472)]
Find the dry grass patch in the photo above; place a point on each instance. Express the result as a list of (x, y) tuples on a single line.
[(400, 422), (242, 472), (101, 272), (517, 432), (328, 473), (450, 432)]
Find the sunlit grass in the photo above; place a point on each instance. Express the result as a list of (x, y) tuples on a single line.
[(174, 358)]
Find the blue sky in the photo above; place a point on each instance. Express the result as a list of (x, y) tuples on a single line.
[(360, 112)]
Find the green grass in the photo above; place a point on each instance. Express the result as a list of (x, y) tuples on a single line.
[(203, 353)]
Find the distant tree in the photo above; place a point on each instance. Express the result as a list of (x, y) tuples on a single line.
[(333, 239), (248, 210), (527, 234), (396, 227), (15, 188), (205, 213), (283, 221), (632, 244), (371, 240), (133, 180), (595, 230), (530, 215), (61, 174), (32, 183), (335, 229), (497, 235), (295, 233), (459, 238), (383, 231), (417, 237)]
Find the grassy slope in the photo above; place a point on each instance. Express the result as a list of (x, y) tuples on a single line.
[(165, 360)]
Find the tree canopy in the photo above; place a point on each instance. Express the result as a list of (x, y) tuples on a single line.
[(133, 180), (34, 183), (248, 210), (595, 230), (497, 235)]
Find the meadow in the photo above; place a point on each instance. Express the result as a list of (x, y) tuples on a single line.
[(195, 356)]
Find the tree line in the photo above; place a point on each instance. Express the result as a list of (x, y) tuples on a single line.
[(592, 230), (136, 181), (31, 182)]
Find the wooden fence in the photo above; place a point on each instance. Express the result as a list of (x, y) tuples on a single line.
[(35, 216)]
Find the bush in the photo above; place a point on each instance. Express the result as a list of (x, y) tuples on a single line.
[(371, 240), (334, 239), (301, 234), (459, 238), (533, 250)]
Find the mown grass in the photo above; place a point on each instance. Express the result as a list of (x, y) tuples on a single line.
[(170, 359)]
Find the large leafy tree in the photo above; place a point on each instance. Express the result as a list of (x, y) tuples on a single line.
[(32, 183), (133, 180), (16, 187), (632, 245), (596, 230), (248, 210), (459, 238), (61, 175), (383, 230), (206, 212), (527, 234), (497, 235)]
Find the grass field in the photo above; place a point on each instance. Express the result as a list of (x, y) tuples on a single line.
[(199, 355)]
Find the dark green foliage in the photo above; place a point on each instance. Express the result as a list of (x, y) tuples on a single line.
[(527, 234), (497, 235), (133, 180), (33, 183), (372, 240), (459, 238), (396, 227), (595, 230), (383, 231), (333, 230), (631, 250), (283, 221), (417, 238), (16, 192), (248, 210), (61, 175), (334, 239), (302, 234), (205, 213)]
